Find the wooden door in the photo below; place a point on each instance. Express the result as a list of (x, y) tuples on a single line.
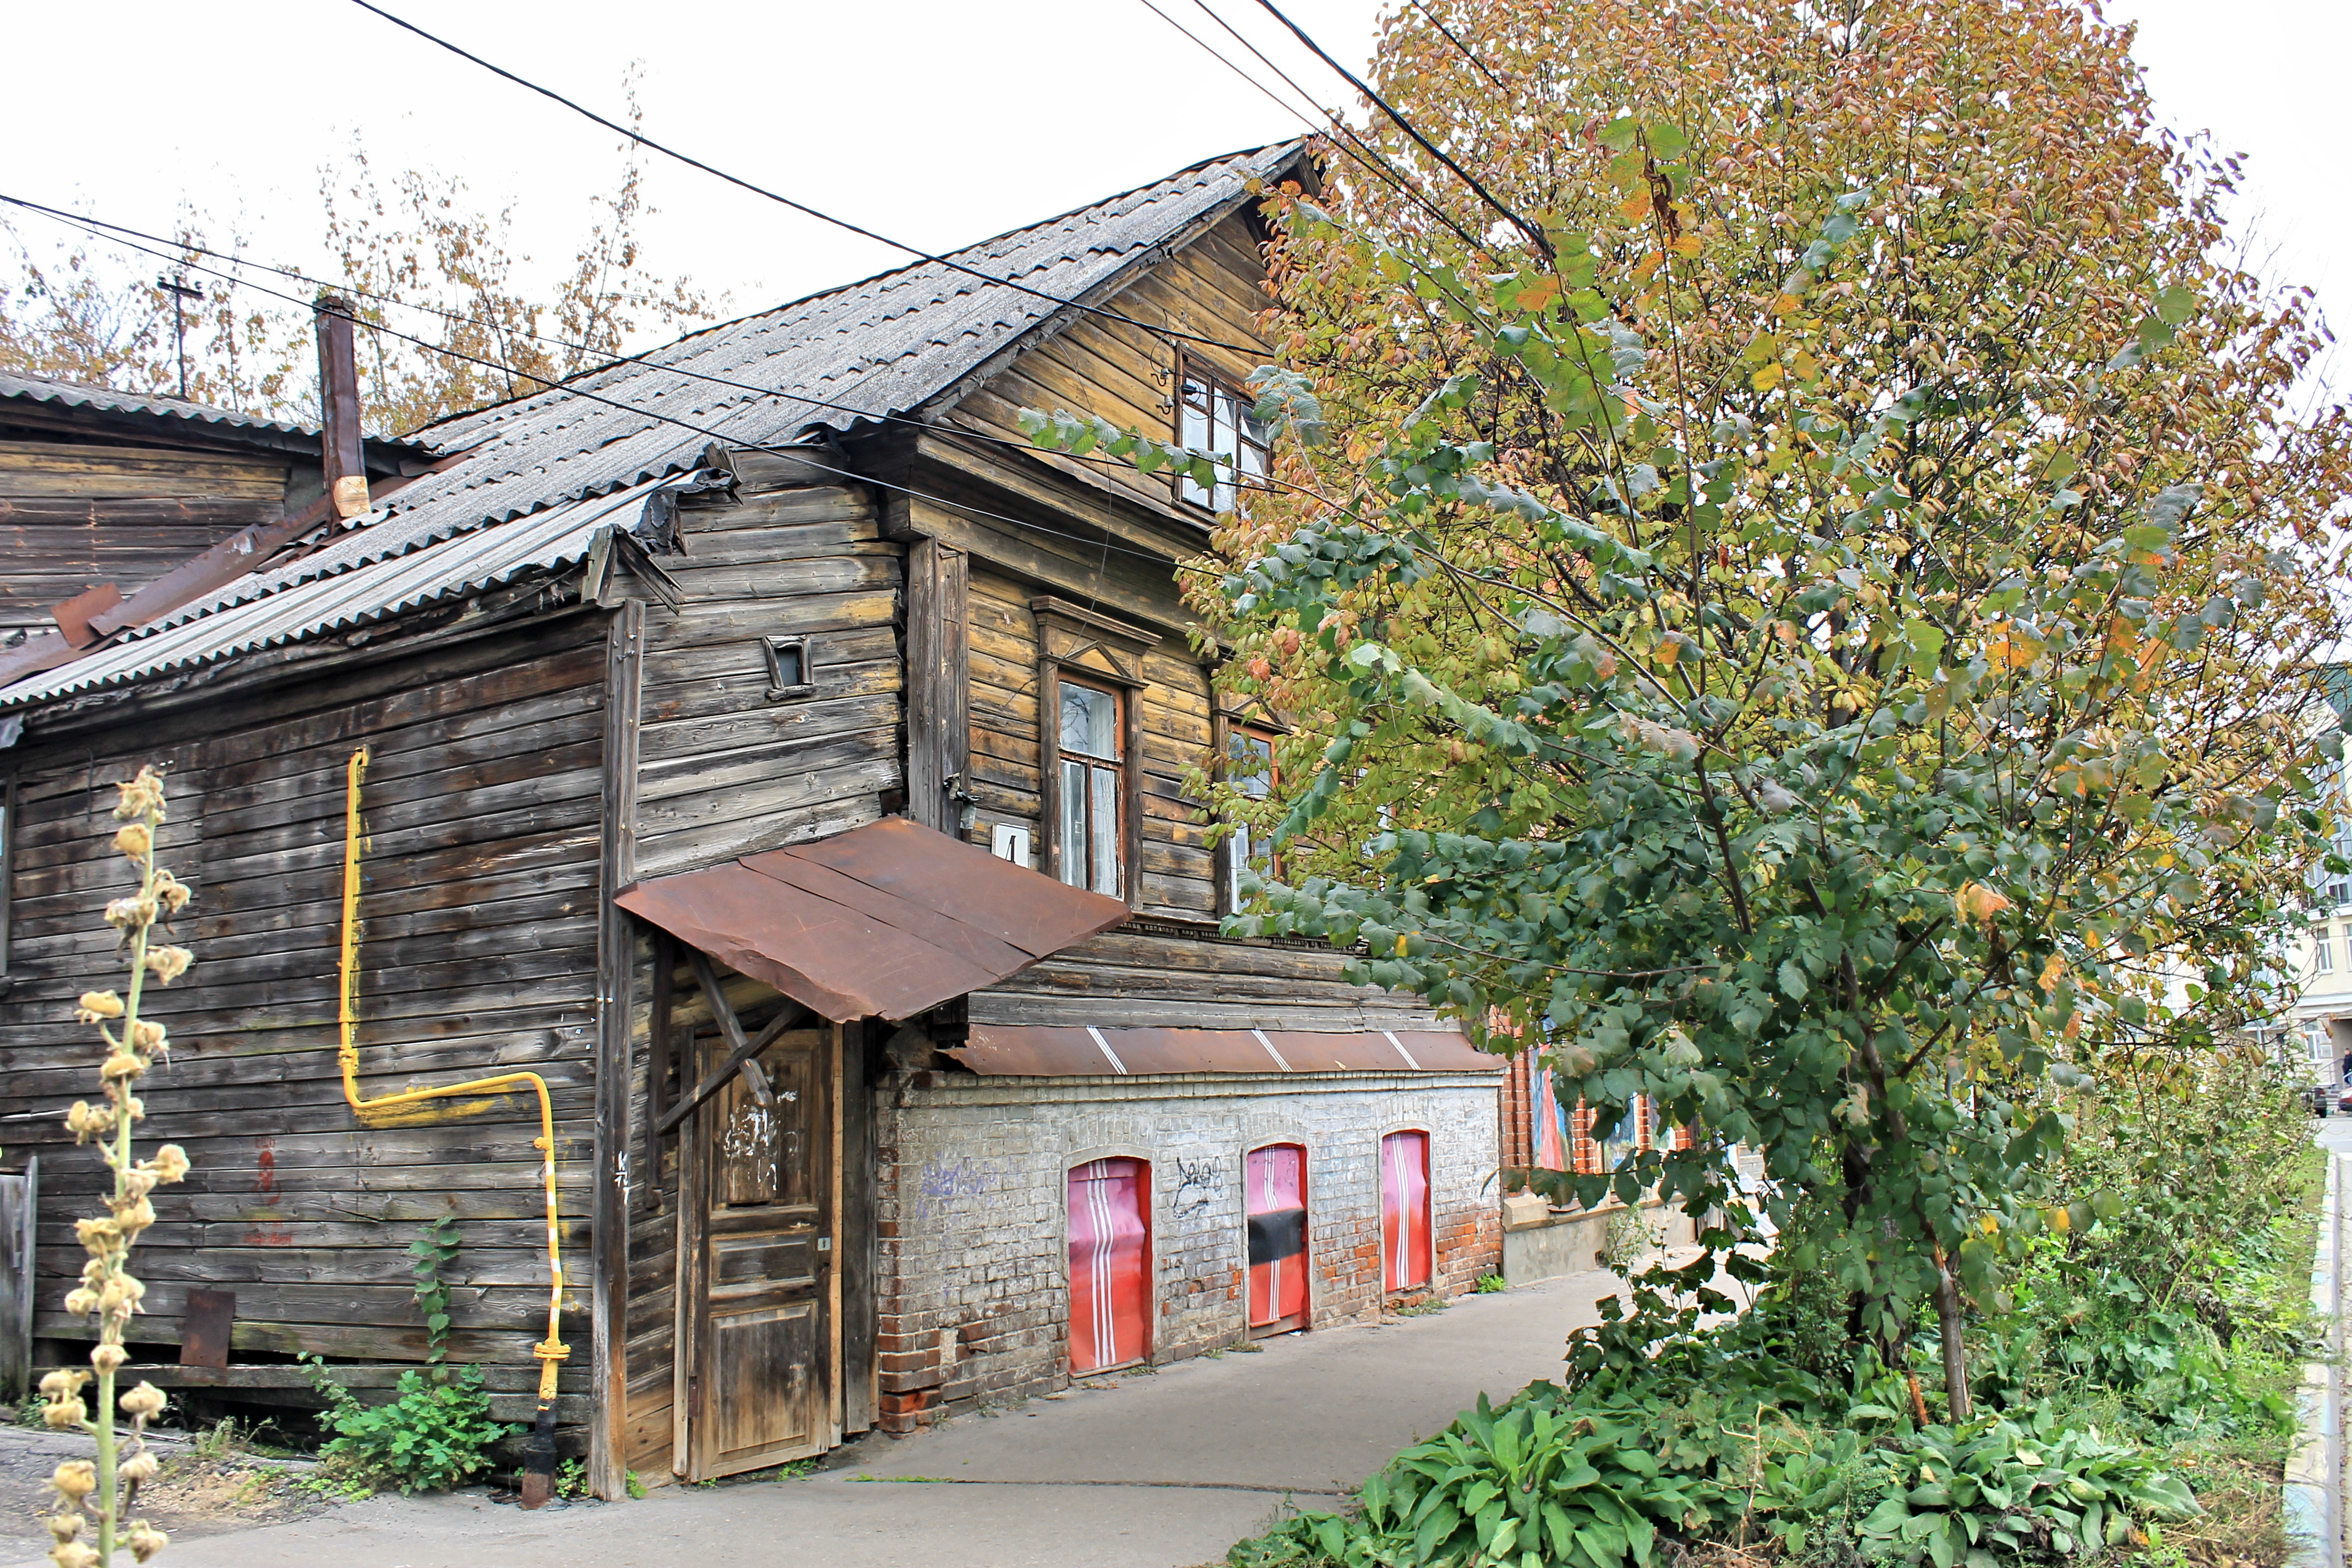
[(1405, 1210), (757, 1343), (1275, 1180), (1110, 1264)]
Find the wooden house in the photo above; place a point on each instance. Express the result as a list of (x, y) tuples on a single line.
[(763, 746), (103, 491)]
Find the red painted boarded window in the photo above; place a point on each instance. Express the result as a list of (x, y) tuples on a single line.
[(1110, 1264), (1276, 1182), (1405, 1210)]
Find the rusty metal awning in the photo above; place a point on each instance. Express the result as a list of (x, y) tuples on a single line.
[(1022, 1051), (882, 921)]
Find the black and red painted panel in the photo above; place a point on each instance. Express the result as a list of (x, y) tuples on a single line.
[(1405, 1210), (1276, 1178), (1110, 1264)]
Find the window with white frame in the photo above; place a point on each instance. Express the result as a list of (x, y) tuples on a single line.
[(1092, 784), (2323, 950), (1215, 416), (1249, 769)]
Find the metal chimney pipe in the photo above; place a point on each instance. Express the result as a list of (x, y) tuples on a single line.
[(339, 394)]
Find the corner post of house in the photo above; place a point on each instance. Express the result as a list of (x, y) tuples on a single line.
[(615, 972), (939, 724)]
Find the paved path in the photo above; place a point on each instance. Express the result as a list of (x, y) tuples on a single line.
[(1164, 1471)]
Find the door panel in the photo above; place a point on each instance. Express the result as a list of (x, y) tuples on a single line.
[(1276, 1183), (1405, 1210), (755, 1276), (1110, 1264)]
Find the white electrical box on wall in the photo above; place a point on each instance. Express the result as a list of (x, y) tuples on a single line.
[(1009, 841)]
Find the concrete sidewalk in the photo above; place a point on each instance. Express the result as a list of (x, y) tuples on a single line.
[(1157, 1470)]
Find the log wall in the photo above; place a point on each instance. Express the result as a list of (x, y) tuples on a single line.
[(728, 770), (478, 952)]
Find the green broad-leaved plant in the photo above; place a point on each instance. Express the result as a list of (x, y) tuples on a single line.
[(434, 1434)]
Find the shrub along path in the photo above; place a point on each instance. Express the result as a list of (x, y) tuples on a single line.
[(1156, 1470)]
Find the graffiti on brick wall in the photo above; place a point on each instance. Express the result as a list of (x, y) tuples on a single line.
[(1198, 1183), (945, 1183)]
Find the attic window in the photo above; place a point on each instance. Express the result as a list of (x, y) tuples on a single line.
[(788, 668), (1213, 415)]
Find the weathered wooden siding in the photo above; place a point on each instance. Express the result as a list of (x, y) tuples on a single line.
[(478, 953), (726, 771), (1178, 876), (73, 515), (1150, 976), (1212, 288)]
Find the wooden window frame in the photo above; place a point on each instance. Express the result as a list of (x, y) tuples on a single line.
[(1124, 835), (1068, 639), (1228, 873), (801, 648), (1192, 367)]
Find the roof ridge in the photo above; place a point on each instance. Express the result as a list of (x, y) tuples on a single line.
[(645, 355)]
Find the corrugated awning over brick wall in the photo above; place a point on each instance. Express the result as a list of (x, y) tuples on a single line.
[(1006, 1050), (882, 921)]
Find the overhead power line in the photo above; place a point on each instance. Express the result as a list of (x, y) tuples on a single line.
[(1536, 236), (1354, 146), (798, 454), (798, 206), (1459, 45), (181, 248)]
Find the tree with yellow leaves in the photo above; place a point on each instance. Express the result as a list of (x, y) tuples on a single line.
[(1808, 605)]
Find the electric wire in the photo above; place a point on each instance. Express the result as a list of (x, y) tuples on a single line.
[(797, 453), (1353, 145), (122, 234), (798, 206), (1535, 234), (1459, 45), (1373, 162)]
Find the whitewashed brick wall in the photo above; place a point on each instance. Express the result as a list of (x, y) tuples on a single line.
[(974, 1187)]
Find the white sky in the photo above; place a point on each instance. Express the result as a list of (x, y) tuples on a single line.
[(940, 122)]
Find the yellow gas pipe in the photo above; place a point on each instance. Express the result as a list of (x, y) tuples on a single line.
[(384, 1109)]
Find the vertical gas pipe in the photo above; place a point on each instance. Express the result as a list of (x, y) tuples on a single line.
[(539, 1448)]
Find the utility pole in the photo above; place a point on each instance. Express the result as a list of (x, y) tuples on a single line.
[(181, 294)]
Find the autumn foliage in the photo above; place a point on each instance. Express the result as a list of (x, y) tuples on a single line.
[(1810, 603)]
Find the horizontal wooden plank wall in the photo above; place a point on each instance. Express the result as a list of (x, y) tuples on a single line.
[(724, 770), (1212, 288), (1160, 978), (477, 953), (1179, 871), (73, 515)]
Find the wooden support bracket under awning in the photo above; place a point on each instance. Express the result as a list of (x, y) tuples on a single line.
[(884, 921)]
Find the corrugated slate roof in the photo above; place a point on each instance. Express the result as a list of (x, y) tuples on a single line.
[(463, 565), (881, 347), (105, 400)]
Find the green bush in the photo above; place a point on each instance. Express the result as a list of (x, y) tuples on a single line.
[(1998, 1491), (431, 1438), (1554, 1481)]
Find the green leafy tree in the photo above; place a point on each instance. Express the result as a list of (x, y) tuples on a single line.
[(1818, 641)]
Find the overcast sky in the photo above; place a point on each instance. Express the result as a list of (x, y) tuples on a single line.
[(937, 121)]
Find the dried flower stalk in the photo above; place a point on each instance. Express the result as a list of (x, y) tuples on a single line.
[(99, 1491)]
